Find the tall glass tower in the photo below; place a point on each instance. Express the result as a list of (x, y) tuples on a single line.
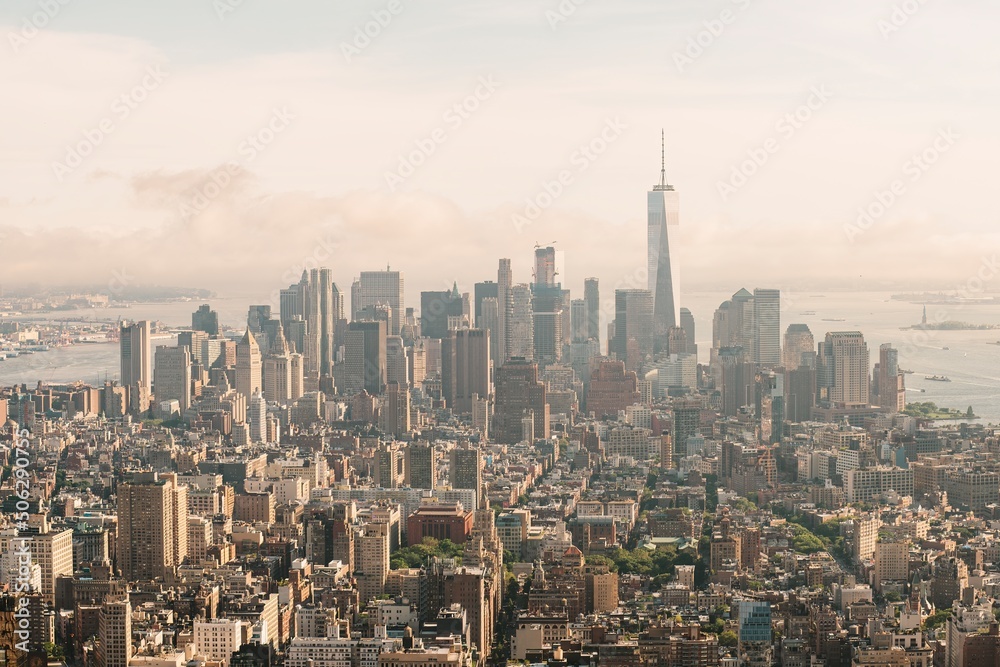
[(662, 207)]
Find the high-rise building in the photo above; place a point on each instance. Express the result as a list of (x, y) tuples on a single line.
[(443, 311), (520, 324), (798, 341), (365, 357), (152, 526), (663, 220), (767, 327), (592, 297), (842, 370), (257, 417), (687, 324), (489, 319), (397, 361), (249, 366), (545, 267), (579, 322), (889, 380), (136, 363), (505, 305), (634, 326), (172, 376), (519, 393), (115, 632), (283, 371), (611, 389), (737, 379), (465, 368), (421, 466), (481, 292), (381, 287), (205, 319), (395, 415), (466, 468), (371, 549)]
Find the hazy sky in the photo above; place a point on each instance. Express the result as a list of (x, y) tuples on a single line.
[(824, 105)]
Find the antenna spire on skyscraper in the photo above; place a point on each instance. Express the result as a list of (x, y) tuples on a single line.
[(663, 159), (663, 164)]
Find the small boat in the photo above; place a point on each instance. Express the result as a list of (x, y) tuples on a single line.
[(938, 378), (834, 319), (945, 348)]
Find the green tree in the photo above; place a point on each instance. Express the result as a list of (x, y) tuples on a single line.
[(728, 638)]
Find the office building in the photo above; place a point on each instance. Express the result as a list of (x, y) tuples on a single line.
[(465, 368), (441, 312), (249, 366), (520, 324), (519, 393), (136, 363), (592, 301), (633, 340), (466, 468), (205, 319), (421, 466), (376, 288), (889, 382), (172, 378), (365, 357), (767, 323), (662, 223), (842, 370), (798, 341)]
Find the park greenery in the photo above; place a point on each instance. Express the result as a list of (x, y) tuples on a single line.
[(418, 554), (930, 410)]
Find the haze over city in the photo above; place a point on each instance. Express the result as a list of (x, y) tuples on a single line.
[(887, 87)]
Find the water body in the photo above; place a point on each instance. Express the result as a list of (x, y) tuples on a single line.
[(972, 361)]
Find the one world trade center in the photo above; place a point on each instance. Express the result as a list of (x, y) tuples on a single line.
[(664, 277)]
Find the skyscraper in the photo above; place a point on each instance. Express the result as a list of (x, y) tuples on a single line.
[(579, 322), (152, 526), (466, 468), (172, 376), (662, 211), (248, 366), (889, 380), (545, 267), (592, 297), (634, 326), (767, 327), (481, 292), (520, 324), (505, 283), (465, 368), (519, 393), (843, 370), (798, 341), (205, 319), (421, 466), (381, 287), (137, 359), (395, 415), (439, 310), (687, 323), (365, 357)]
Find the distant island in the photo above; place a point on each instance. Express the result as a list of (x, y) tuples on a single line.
[(951, 325), (942, 298), (932, 411)]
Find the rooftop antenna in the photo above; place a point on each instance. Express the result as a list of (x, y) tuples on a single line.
[(663, 185)]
